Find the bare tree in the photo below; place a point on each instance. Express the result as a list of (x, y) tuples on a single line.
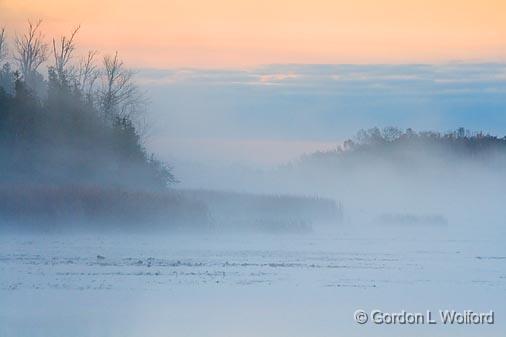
[(31, 51), (3, 44), (87, 75), (119, 95), (62, 53)]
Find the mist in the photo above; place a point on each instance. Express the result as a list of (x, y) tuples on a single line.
[(459, 182), (259, 130), (271, 201)]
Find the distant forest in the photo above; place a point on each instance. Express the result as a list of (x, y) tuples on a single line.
[(78, 126), (408, 147)]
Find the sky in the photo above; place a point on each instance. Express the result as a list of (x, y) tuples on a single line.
[(261, 82), (245, 33), (272, 114)]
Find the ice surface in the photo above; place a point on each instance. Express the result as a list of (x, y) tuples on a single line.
[(254, 285)]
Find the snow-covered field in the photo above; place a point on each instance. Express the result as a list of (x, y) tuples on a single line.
[(246, 285)]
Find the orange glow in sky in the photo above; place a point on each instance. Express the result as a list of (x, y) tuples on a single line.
[(237, 33)]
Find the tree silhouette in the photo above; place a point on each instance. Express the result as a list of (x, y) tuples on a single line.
[(67, 129)]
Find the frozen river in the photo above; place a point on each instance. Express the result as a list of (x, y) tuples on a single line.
[(246, 285)]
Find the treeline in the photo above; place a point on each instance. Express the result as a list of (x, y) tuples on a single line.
[(71, 151), (408, 143), (77, 125), (459, 140)]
